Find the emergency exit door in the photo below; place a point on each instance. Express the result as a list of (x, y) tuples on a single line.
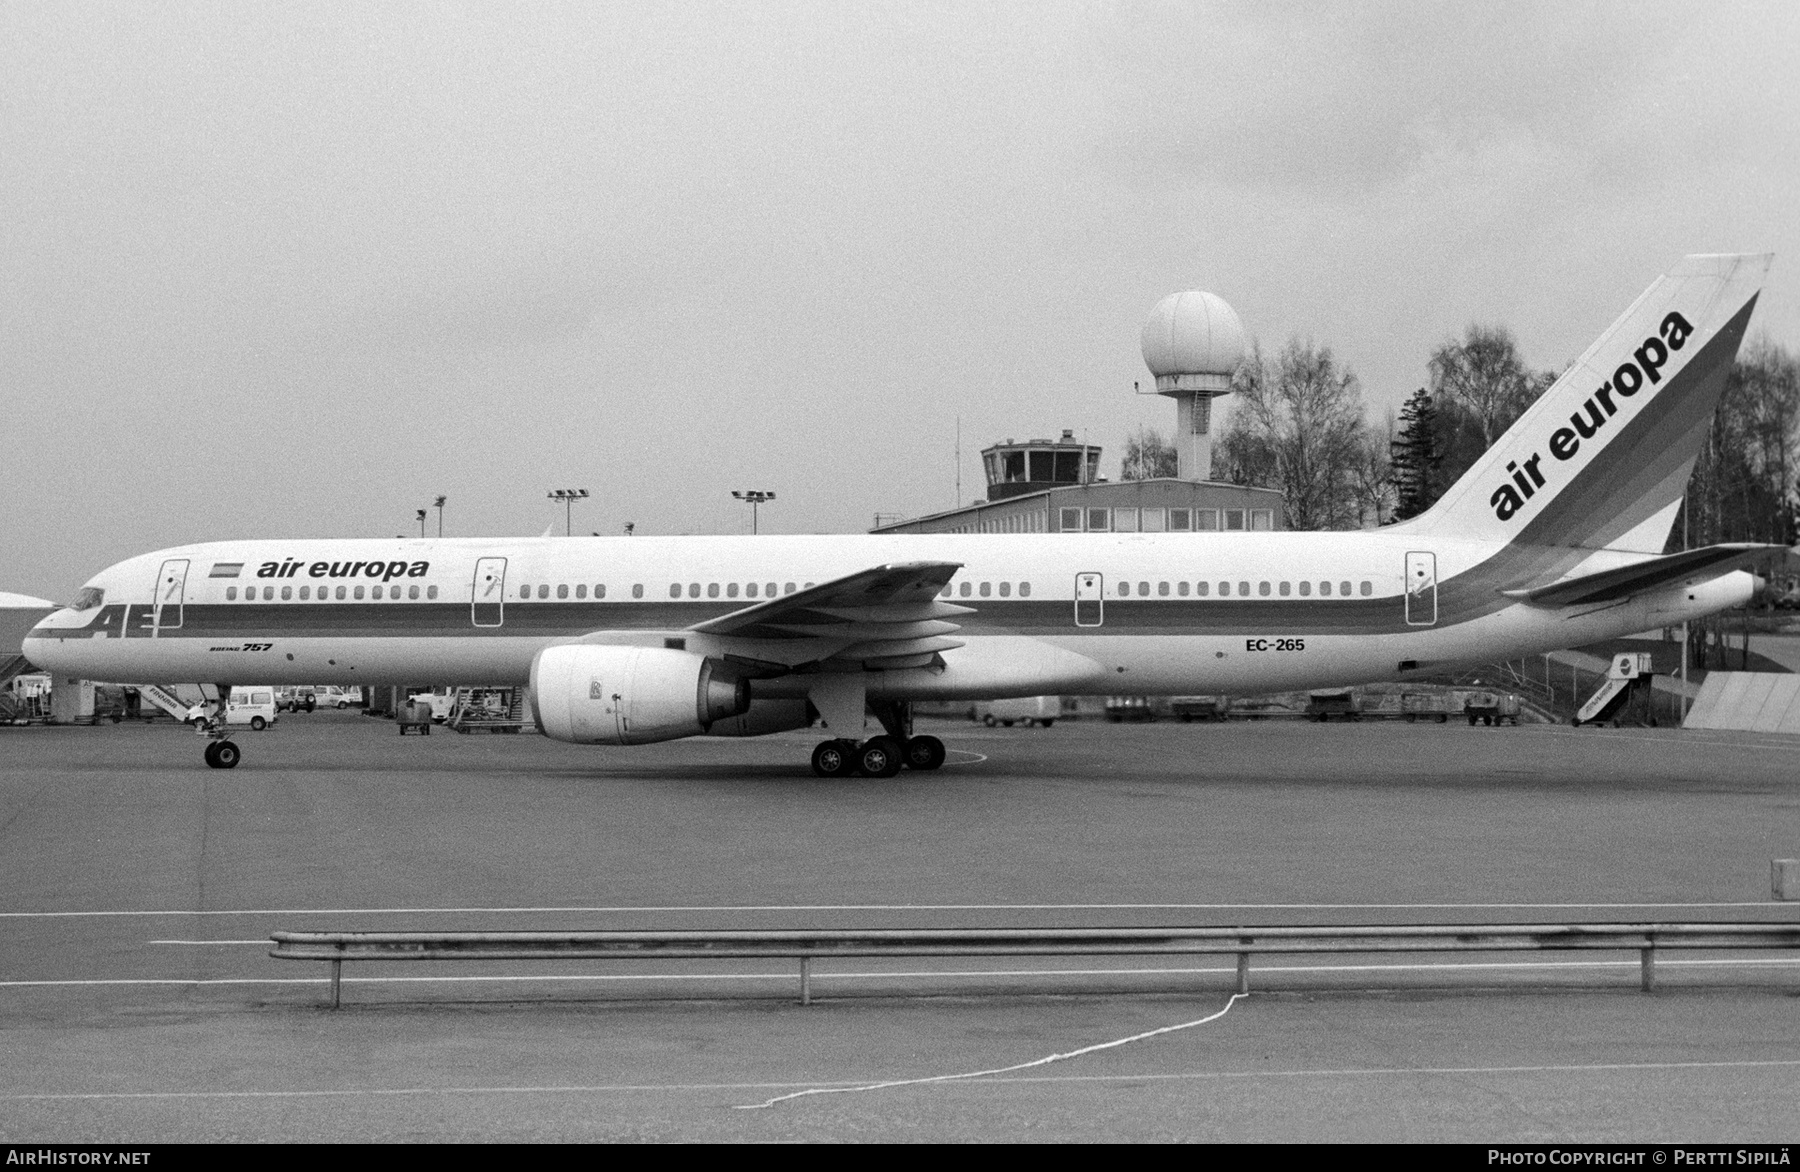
[(1090, 600), (487, 606), (171, 589), (1421, 589)]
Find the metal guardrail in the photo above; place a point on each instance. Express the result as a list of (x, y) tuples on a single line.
[(806, 945)]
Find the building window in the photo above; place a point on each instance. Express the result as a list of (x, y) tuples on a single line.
[(1097, 521), (1262, 519), (1234, 518), (1155, 520), (1285, 589), (1125, 520), (1206, 519), (562, 591), (1181, 520), (1069, 520)]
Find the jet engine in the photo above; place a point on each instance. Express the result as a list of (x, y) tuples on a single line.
[(597, 694)]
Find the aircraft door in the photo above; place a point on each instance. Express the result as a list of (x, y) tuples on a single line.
[(1090, 600), (487, 606), (1421, 589), (171, 588)]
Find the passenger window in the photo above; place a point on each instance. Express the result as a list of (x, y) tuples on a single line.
[(731, 589), (693, 589), (769, 590), (1162, 589), (412, 593), (1344, 589), (1006, 589), (1202, 589), (749, 590), (562, 590), (268, 594), (1224, 590), (1368, 588), (524, 592), (1143, 589), (985, 589), (305, 593), (1124, 590), (544, 591), (1244, 589), (600, 590), (580, 590), (1284, 588), (967, 590), (1024, 590), (947, 591), (431, 592), (712, 589), (1324, 589), (674, 590), (1262, 588), (287, 592), (231, 594), (1181, 588), (1305, 589), (375, 592), (637, 589), (359, 593), (340, 593)]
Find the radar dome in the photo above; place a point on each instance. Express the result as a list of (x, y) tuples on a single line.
[(1193, 341)]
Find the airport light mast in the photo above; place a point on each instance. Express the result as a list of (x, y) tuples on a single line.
[(755, 497), (438, 504), (421, 522), (568, 497)]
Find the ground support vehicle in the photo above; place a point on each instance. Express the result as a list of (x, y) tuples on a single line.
[(1491, 708), (1322, 706), (1189, 708), (1027, 710)]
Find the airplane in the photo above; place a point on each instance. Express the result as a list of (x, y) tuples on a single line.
[(1554, 538)]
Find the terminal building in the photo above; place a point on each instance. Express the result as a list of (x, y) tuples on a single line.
[(1192, 344)]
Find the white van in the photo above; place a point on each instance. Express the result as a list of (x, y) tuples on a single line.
[(332, 696), (251, 704), (1026, 710)]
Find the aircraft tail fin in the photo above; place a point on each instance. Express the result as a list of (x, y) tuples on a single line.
[(1602, 459)]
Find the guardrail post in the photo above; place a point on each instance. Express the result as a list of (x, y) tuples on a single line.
[(1243, 972), (806, 980), (1647, 968), (337, 975)]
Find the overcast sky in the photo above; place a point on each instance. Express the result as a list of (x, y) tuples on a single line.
[(292, 270)]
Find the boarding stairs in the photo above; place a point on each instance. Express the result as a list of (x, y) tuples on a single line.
[(1628, 680)]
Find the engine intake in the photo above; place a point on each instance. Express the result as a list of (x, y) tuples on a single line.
[(608, 695)]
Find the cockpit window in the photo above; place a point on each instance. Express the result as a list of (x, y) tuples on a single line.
[(89, 598)]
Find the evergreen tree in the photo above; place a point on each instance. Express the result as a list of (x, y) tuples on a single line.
[(1416, 457)]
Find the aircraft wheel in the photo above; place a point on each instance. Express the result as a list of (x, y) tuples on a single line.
[(258, 723), (924, 753), (989, 720), (226, 755), (880, 757), (212, 755), (833, 759), (1046, 723)]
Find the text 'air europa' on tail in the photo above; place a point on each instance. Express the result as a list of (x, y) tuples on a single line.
[(1601, 460)]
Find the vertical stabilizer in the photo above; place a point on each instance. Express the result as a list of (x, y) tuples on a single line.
[(1601, 460)]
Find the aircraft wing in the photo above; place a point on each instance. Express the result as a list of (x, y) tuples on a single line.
[(884, 617), (1610, 585)]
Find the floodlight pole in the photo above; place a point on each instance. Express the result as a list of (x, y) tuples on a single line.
[(568, 497), (421, 516), (755, 497), (438, 503)]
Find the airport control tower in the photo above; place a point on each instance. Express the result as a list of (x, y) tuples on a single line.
[(1192, 344)]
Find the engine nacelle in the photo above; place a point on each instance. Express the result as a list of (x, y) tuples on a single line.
[(764, 717), (598, 694)]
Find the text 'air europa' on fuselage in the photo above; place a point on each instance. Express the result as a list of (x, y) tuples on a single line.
[(1642, 369)]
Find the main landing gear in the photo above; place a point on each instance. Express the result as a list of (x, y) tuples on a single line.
[(880, 756)]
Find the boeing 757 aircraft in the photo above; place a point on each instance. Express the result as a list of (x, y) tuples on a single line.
[(1553, 539)]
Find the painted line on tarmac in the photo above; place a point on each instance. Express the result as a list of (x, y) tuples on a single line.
[(1018, 1066), (924, 974), (1179, 1076), (867, 907), (1690, 738), (974, 757)]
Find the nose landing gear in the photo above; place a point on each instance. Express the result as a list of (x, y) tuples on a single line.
[(220, 752), (223, 755)]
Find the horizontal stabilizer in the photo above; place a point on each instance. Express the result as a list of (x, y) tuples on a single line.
[(1610, 585)]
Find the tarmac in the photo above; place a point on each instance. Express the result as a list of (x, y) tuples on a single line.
[(138, 1002)]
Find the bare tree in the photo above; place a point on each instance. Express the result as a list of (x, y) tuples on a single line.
[(1484, 378), (1296, 425), (1147, 456)]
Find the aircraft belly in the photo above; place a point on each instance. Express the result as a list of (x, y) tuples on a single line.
[(424, 660)]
